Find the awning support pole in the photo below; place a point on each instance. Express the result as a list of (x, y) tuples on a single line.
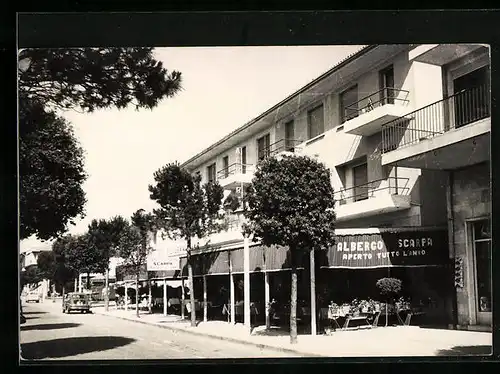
[(205, 308), (182, 298), (165, 299), (150, 296), (267, 299), (231, 291), (246, 285), (313, 292), (126, 296)]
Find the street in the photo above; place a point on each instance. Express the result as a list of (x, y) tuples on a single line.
[(48, 334)]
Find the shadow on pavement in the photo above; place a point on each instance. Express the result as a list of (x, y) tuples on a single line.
[(49, 326), (28, 313), (475, 350), (66, 347)]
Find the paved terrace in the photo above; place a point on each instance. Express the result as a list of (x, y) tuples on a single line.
[(382, 341)]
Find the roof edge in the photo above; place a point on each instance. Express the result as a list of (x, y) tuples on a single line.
[(336, 67)]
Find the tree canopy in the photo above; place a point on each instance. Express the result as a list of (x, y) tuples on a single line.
[(188, 208), (291, 203), (51, 171), (86, 79)]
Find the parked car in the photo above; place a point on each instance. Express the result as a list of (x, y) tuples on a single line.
[(75, 301), (34, 296)]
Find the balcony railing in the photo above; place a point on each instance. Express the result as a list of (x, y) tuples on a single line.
[(282, 145), (462, 108), (384, 96), (236, 168), (394, 186)]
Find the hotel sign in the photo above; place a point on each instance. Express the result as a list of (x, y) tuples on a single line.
[(404, 248)]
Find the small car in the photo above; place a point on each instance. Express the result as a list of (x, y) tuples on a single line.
[(33, 296), (75, 301)]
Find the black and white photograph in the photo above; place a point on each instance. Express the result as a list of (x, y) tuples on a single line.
[(225, 202)]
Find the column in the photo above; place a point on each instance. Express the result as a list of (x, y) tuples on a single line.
[(182, 298), (267, 299), (76, 285), (205, 307), (126, 296), (165, 298), (246, 283), (231, 291), (80, 285), (313, 292)]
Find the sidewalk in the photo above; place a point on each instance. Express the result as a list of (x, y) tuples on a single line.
[(381, 341)]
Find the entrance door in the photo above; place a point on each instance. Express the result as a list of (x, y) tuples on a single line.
[(471, 99), (360, 182), (481, 239), (387, 86), (289, 136)]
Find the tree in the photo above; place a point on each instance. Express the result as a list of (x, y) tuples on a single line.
[(134, 247), (290, 203), (56, 265), (389, 288), (51, 173), (188, 210), (30, 276), (104, 236), (86, 79)]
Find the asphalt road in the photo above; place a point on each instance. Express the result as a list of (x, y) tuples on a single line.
[(48, 334)]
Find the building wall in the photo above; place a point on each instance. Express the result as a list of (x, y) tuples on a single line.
[(471, 198)]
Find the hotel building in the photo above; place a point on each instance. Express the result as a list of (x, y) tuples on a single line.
[(405, 132)]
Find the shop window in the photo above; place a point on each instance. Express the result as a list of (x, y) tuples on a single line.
[(482, 255)]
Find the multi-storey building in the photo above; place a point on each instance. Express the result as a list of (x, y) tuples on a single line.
[(404, 130)]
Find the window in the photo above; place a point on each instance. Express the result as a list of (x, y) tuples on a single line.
[(360, 181), (263, 145), (482, 254), (386, 81), (225, 166), (211, 173), (349, 104), (315, 122)]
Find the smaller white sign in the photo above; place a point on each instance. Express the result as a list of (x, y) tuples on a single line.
[(164, 265)]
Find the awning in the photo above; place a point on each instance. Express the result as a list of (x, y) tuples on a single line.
[(124, 274), (256, 253), (387, 249), (162, 274)]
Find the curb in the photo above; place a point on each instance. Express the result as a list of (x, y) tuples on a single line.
[(233, 340)]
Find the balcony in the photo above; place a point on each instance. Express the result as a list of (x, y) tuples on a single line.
[(441, 54), (235, 176), (446, 135), (281, 147), (231, 232), (376, 197), (366, 116)]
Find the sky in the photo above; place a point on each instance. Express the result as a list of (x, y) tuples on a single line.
[(223, 88)]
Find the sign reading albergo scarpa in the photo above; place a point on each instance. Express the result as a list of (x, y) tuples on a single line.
[(395, 248)]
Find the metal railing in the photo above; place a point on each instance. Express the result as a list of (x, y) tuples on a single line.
[(453, 112), (236, 168), (384, 96), (394, 186), (282, 145)]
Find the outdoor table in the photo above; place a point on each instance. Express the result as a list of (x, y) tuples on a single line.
[(361, 317)]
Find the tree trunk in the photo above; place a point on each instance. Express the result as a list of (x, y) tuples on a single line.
[(293, 301), (88, 281), (137, 295), (106, 290), (191, 292), (63, 292)]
